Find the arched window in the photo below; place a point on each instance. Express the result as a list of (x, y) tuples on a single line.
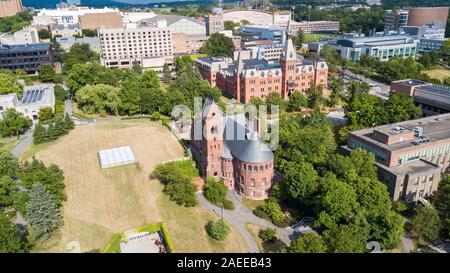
[(267, 167), (255, 168), (252, 182), (261, 168), (263, 182), (245, 167)]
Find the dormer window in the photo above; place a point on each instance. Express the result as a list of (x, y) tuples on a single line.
[(214, 130)]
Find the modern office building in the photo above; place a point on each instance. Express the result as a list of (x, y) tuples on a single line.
[(10, 7), (381, 47), (29, 57), (266, 32), (394, 20), (229, 148), (316, 26), (411, 156), (428, 31), (33, 99), (120, 47), (428, 45), (427, 15), (102, 19), (214, 23), (244, 79), (434, 99)]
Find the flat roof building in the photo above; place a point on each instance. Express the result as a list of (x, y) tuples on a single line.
[(33, 99), (381, 47), (427, 15), (411, 156), (434, 99), (29, 57), (120, 47), (102, 19)]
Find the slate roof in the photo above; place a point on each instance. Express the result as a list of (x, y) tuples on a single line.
[(239, 141)]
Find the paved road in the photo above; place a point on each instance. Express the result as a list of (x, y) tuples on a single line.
[(381, 91), (240, 216), (68, 107), (27, 140)]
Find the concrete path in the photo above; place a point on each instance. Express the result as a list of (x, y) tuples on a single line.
[(240, 216), (408, 244), (27, 140), (68, 107)]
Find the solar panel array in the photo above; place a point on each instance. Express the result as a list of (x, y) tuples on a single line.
[(116, 157), (32, 96)]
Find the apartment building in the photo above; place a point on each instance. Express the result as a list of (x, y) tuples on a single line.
[(10, 7), (120, 47), (29, 57), (433, 99), (411, 156)]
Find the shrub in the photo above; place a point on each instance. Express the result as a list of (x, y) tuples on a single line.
[(215, 192), (218, 230), (271, 210), (268, 234), (227, 204)]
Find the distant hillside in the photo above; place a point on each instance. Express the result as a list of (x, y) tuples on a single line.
[(102, 3)]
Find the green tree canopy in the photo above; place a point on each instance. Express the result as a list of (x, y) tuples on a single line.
[(218, 230), (426, 223), (102, 99), (10, 241), (44, 34), (9, 84), (8, 163), (308, 243), (78, 54), (218, 45), (14, 123)]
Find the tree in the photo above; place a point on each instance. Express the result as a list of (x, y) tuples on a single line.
[(166, 73), (60, 93), (10, 239), (301, 181), (68, 122), (182, 192), (315, 96), (46, 73), (218, 45), (42, 213), (40, 134), (78, 54), (136, 67), (345, 239), (130, 97), (297, 101), (14, 123), (215, 192), (275, 99), (8, 163), (299, 39), (51, 178), (218, 230), (9, 84), (400, 107), (308, 243), (443, 196), (45, 114), (426, 223), (268, 234), (101, 98), (7, 189), (89, 32), (44, 34), (182, 63), (149, 79)]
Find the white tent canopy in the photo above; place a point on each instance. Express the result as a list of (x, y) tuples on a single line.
[(116, 157)]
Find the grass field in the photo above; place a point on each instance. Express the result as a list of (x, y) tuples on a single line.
[(438, 73), (314, 37), (252, 204), (101, 203)]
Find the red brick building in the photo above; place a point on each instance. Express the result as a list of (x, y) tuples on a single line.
[(228, 148), (243, 79)]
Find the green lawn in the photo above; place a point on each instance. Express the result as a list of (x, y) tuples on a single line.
[(252, 204), (438, 73), (314, 37)]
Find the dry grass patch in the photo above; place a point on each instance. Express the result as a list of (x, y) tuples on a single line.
[(274, 246), (101, 203), (438, 73)]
